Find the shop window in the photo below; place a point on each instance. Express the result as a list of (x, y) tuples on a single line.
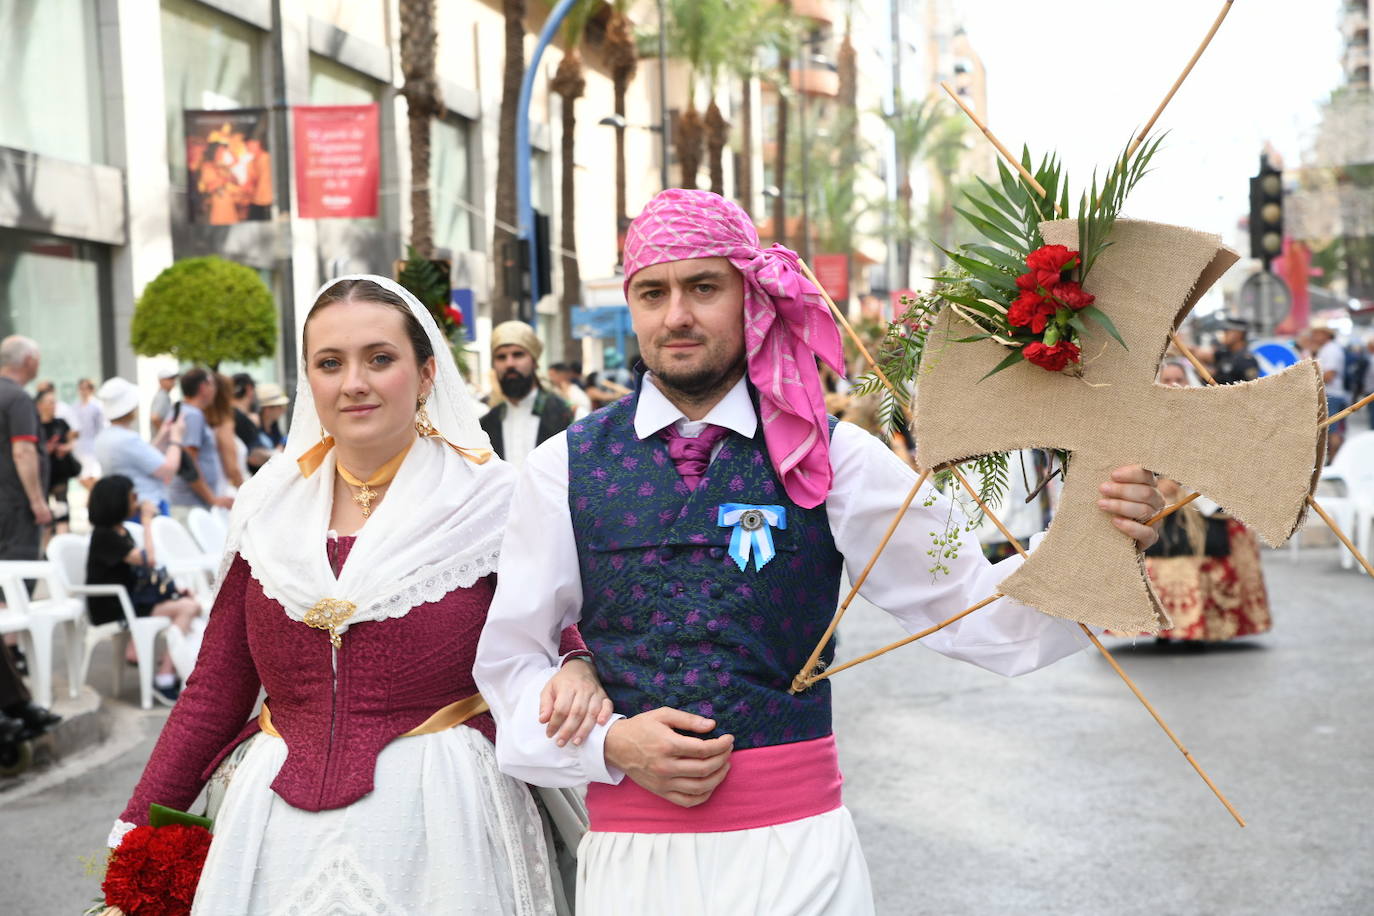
[(51, 291), (450, 184), (50, 68), (209, 61)]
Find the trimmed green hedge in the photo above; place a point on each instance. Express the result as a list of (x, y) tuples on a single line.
[(206, 311)]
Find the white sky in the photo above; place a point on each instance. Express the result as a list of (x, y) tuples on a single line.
[(1077, 76)]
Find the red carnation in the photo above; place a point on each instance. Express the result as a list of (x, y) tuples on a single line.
[(1072, 295), (454, 314), (1053, 358), (1031, 310), (155, 870), (1052, 259)]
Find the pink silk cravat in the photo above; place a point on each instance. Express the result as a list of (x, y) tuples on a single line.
[(691, 457)]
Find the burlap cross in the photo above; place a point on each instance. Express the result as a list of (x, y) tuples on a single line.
[(1254, 448)]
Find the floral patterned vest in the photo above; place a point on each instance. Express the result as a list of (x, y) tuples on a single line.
[(671, 618)]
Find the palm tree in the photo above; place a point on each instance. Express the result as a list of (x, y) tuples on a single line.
[(423, 104), (780, 163), (756, 24), (623, 59), (569, 84), (512, 72), (694, 28), (912, 123)]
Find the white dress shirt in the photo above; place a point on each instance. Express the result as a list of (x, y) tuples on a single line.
[(520, 428), (539, 583)]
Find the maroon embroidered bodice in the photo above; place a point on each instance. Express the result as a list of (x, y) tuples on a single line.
[(392, 675)]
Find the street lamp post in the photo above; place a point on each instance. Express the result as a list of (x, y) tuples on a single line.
[(523, 205)]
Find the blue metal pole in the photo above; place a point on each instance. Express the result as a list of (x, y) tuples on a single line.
[(523, 205)]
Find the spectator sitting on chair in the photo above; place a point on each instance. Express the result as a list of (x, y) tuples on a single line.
[(120, 450), (111, 561), (529, 414), (198, 439)]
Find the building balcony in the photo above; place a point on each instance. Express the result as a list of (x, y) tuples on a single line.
[(1356, 58), (816, 81), (820, 10), (1353, 22)]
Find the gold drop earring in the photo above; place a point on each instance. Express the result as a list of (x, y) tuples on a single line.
[(422, 424)]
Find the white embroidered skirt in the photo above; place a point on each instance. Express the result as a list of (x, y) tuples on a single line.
[(443, 831), (810, 867)]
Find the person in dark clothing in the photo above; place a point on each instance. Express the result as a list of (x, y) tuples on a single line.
[(57, 436), (111, 560), (1234, 363)]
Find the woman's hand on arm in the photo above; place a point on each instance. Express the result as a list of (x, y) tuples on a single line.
[(572, 702)]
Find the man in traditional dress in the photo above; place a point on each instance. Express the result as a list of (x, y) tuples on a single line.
[(529, 415), (696, 531)]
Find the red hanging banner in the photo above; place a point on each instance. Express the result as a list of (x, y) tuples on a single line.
[(338, 161), (833, 272)]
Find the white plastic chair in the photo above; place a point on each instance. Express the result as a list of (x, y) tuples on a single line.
[(174, 548), (68, 555), (1352, 470), (136, 532), (1346, 492), (36, 622), (209, 532)]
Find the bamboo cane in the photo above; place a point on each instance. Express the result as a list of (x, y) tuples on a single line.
[(1167, 730), (1367, 399), (822, 675), (1036, 186), (801, 682), (1330, 522), (1145, 131), (1097, 643), (1170, 510), (1336, 529), (849, 329), (1188, 355)]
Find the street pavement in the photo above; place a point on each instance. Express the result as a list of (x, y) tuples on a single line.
[(1051, 793)]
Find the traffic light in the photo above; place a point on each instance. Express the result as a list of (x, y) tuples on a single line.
[(1266, 213)]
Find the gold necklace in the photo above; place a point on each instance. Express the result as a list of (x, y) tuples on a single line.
[(367, 492)]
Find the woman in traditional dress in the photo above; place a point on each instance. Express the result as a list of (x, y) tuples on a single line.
[(357, 579), (1206, 565)]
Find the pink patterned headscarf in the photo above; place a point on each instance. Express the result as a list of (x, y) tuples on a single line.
[(787, 325)]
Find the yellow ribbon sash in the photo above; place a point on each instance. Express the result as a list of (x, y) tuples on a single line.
[(450, 716)]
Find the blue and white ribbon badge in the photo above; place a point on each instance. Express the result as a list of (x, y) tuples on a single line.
[(753, 531)]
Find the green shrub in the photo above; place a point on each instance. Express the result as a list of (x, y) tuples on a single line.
[(206, 311)]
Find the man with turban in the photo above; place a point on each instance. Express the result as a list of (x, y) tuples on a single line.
[(529, 414), (696, 531)]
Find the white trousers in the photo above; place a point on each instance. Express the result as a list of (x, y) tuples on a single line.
[(810, 867)]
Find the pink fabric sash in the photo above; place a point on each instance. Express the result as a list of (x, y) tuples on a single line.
[(787, 325), (765, 786)]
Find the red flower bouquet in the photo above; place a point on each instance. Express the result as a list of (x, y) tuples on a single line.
[(1012, 287), (155, 870)]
